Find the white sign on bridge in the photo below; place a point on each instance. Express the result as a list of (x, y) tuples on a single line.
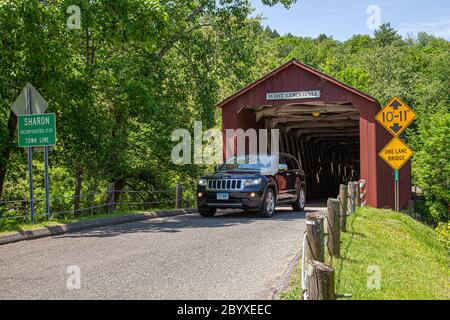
[(293, 95)]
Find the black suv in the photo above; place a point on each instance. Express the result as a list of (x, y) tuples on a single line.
[(253, 183)]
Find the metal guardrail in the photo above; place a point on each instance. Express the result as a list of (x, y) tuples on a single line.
[(93, 202)]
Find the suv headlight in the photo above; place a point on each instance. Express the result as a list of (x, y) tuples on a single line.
[(202, 182), (252, 182)]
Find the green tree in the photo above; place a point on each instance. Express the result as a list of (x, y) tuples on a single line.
[(386, 35), (432, 164), (29, 53)]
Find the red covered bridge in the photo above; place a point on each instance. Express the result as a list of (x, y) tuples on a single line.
[(328, 125)]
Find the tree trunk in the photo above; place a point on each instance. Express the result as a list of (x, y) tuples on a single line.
[(118, 187), (78, 187), (5, 151)]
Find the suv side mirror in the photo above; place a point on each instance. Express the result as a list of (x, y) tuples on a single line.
[(282, 167)]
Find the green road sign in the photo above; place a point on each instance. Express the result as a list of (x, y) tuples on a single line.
[(37, 130)]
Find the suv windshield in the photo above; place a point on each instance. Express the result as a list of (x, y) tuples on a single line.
[(248, 163)]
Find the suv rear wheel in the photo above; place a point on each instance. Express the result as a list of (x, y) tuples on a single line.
[(209, 212), (299, 204), (268, 206)]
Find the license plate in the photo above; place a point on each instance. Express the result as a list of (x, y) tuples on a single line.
[(223, 196)]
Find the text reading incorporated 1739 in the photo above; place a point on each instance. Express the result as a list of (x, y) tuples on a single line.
[(37, 130)]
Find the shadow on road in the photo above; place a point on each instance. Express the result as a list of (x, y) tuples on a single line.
[(224, 218)]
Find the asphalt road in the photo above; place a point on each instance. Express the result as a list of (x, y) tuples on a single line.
[(230, 256)]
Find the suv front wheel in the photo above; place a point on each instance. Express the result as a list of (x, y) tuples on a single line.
[(207, 212), (268, 206), (299, 204)]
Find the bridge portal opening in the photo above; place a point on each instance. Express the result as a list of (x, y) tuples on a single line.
[(324, 138)]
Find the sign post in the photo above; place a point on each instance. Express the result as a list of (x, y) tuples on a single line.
[(396, 178), (395, 117), (35, 129), (30, 158), (47, 185)]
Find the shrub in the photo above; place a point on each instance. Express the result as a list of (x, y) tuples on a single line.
[(431, 166), (443, 234)]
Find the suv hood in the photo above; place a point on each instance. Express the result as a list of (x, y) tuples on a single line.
[(233, 175)]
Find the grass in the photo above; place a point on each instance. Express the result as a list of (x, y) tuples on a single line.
[(57, 221), (411, 262), (294, 290)]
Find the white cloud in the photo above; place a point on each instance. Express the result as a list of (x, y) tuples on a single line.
[(438, 28)]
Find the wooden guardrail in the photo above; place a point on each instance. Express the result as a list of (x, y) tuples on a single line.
[(315, 236), (343, 194), (320, 282)]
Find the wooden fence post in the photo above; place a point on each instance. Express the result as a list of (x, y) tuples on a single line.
[(94, 193), (343, 198), (315, 236), (358, 194), (179, 196), (321, 282), (111, 205), (351, 196), (334, 232)]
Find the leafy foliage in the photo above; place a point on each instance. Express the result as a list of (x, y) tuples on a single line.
[(138, 69), (134, 72), (432, 164), (443, 234)]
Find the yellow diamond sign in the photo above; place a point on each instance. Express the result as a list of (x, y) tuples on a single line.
[(396, 116), (396, 153)]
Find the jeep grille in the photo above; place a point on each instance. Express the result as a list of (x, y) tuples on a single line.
[(226, 184)]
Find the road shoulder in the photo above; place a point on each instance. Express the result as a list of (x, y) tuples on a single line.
[(83, 225)]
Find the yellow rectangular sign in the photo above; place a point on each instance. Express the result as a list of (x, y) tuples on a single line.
[(396, 153), (396, 116)]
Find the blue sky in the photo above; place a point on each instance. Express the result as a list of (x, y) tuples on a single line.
[(343, 18)]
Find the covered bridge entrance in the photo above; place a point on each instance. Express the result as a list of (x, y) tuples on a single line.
[(329, 126)]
